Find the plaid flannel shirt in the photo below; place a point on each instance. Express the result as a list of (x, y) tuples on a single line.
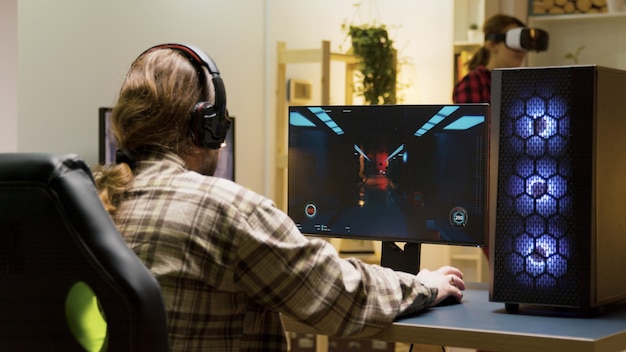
[(229, 263), (475, 87)]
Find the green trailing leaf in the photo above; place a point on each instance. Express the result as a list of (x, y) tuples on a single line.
[(574, 56)]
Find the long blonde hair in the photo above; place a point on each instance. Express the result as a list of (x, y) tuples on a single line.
[(496, 24), (154, 105)]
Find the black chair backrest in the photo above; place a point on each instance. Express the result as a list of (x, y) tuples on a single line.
[(54, 233)]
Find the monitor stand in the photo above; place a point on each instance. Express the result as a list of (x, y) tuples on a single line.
[(396, 258)]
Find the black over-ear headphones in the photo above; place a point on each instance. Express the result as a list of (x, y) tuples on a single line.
[(208, 122)]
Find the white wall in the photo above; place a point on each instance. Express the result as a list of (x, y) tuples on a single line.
[(8, 74), (74, 54)]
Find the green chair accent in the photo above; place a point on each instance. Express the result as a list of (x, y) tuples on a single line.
[(85, 318)]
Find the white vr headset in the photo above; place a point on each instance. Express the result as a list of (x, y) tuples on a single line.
[(522, 38)]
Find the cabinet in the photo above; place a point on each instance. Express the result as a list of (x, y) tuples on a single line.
[(602, 37), (467, 12)]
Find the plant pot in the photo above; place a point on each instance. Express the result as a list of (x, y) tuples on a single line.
[(473, 36)]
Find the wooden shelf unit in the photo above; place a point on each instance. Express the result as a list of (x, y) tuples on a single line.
[(602, 36)]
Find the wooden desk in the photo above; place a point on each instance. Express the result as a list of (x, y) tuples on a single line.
[(480, 324)]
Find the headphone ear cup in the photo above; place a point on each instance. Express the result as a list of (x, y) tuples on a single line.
[(208, 127)]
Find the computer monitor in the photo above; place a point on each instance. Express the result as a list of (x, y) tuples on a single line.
[(108, 145), (393, 173)]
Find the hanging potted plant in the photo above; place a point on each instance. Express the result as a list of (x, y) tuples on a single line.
[(377, 67)]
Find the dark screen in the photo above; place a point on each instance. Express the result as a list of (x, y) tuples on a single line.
[(411, 173), (108, 146)]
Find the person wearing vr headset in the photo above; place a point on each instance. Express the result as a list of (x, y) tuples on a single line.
[(228, 261), (507, 40)]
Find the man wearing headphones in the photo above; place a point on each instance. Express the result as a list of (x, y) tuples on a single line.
[(228, 261)]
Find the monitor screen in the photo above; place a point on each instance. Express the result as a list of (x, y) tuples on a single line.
[(106, 140), (403, 173), (108, 145)]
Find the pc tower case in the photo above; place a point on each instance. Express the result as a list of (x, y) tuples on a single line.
[(559, 134)]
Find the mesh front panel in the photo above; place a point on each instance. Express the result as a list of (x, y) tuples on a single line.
[(541, 249)]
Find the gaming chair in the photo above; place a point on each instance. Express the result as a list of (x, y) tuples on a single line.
[(66, 274)]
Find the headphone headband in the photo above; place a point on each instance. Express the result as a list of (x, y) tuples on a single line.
[(197, 55)]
